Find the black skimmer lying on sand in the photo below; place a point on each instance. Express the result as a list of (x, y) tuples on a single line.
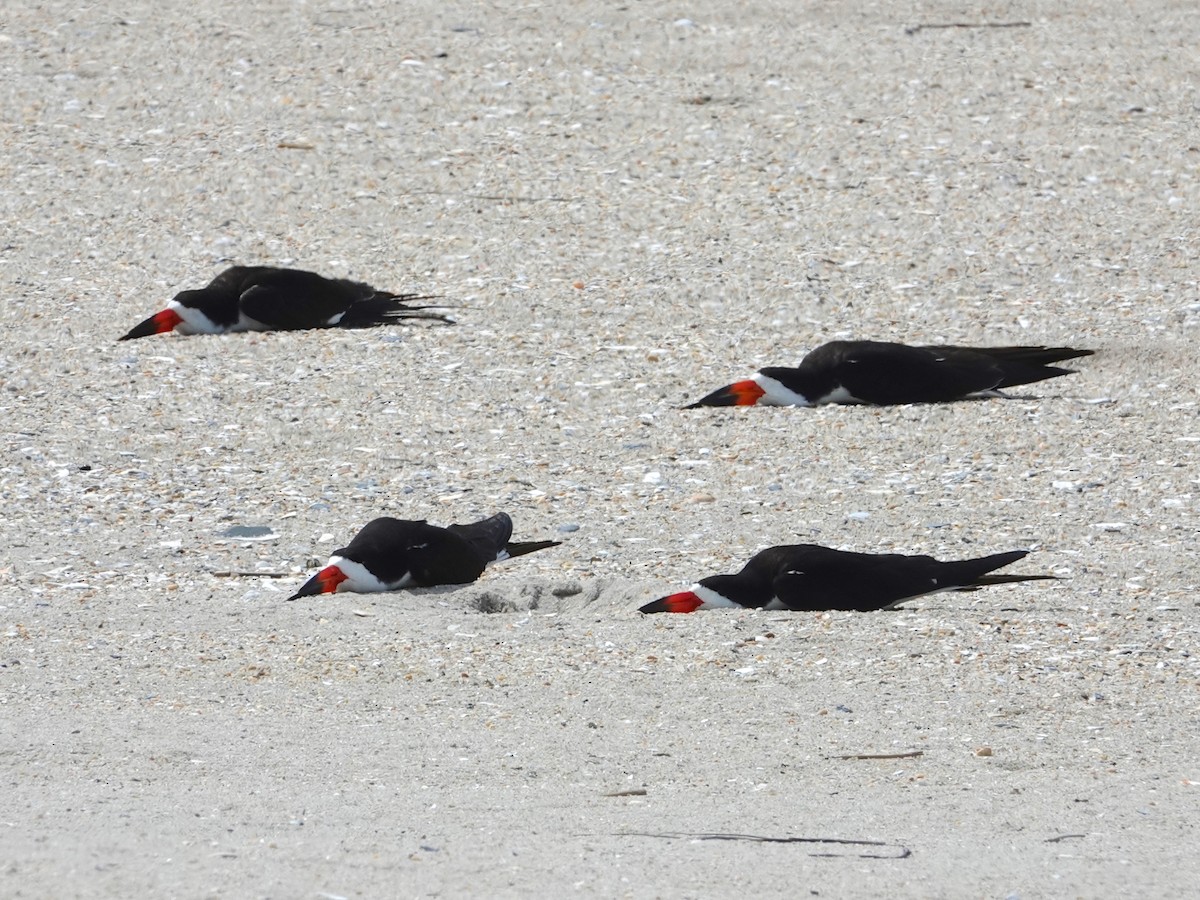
[(883, 373), (264, 298), (392, 554), (808, 577)]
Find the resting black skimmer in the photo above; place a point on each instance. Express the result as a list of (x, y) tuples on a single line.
[(264, 298), (392, 554), (882, 373), (811, 578)]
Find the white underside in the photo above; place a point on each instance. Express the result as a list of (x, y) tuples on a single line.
[(776, 394), (838, 395), (245, 323), (926, 594), (360, 580), (713, 600)]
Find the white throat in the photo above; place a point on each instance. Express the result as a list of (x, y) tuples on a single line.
[(194, 321), (838, 395), (778, 394), (713, 600), (360, 580)]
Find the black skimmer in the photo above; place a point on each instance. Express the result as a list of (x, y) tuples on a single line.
[(811, 578), (883, 373), (264, 298), (392, 554)]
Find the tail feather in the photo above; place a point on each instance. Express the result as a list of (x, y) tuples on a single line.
[(967, 572), (986, 580), (489, 535), (970, 574), (390, 309), (1019, 373)]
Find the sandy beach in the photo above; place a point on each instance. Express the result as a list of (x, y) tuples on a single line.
[(625, 207)]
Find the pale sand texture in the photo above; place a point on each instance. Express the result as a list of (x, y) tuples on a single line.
[(632, 205)]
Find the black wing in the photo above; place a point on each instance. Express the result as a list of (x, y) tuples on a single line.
[(819, 578), (885, 373), (488, 536), (432, 555), (385, 308), (290, 299)]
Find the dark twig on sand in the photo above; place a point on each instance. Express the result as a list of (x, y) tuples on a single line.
[(911, 754), (892, 851), (253, 575), (913, 29)]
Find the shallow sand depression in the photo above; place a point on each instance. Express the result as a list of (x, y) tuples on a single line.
[(627, 207)]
